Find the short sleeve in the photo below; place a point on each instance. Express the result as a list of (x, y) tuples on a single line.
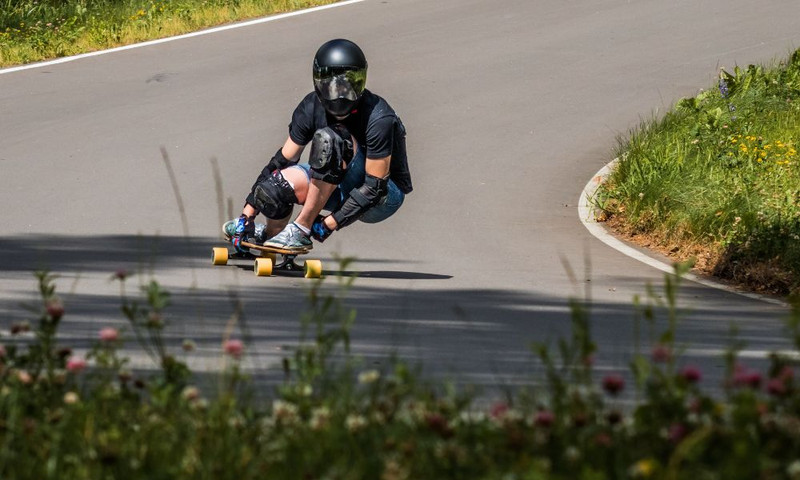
[(380, 137), (301, 130)]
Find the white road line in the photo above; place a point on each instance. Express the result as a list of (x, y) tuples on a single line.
[(177, 37), (587, 216)]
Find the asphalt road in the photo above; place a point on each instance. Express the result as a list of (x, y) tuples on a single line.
[(511, 107)]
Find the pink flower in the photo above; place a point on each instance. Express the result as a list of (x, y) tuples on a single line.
[(776, 387), (109, 334), (234, 348), (744, 377), (661, 354), (121, 274), (691, 374), (55, 309), (677, 432), (544, 418), (498, 410), (613, 384), (75, 365)]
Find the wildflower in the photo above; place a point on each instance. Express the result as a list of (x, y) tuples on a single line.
[(614, 417), (776, 387), (234, 348), (355, 423), (55, 309), (109, 334), (723, 87), (691, 374), (284, 411), (21, 327), (120, 275), (188, 346), (75, 365), (613, 384), (603, 439), (643, 468), (677, 432), (793, 470), (154, 321), (24, 377), (572, 454), (498, 410), (544, 418), (124, 376), (744, 377), (320, 418), (71, 398), (370, 376), (439, 424), (190, 393), (661, 354)]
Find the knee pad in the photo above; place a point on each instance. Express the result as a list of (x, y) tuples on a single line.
[(274, 196), (331, 151)]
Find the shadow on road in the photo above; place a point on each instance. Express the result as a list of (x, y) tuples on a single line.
[(474, 336)]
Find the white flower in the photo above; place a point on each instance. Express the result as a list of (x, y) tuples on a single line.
[(370, 376)]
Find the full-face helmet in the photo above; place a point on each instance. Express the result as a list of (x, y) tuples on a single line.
[(340, 76)]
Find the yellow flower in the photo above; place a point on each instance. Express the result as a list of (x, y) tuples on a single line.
[(644, 468)]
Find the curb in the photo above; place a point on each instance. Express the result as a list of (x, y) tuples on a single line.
[(586, 212)]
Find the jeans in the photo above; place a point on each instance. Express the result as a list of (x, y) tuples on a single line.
[(354, 178)]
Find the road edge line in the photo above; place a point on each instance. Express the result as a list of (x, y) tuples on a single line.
[(222, 28), (586, 212)]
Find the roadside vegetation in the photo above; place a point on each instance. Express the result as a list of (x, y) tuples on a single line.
[(34, 30), (718, 178), (69, 414)]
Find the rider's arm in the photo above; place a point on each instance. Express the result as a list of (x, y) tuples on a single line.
[(374, 167)]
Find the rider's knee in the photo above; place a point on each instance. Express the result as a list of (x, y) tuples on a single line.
[(274, 196)]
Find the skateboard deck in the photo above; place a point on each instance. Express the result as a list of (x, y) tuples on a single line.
[(265, 259)]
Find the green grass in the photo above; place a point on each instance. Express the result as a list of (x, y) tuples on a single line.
[(721, 171), (34, 30)]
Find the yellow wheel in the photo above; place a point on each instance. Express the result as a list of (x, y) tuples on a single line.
[(313, 269), (219, 256), (263, 267)]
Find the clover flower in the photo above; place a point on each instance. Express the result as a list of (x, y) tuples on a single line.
[(613, 384), (75, 365), (109, 334), (234, 348)]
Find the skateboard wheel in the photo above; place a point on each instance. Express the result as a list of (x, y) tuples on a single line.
[(219, 256), (263, 267), (313, 269)]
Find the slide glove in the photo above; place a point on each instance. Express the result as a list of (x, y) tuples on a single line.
[(244, 229), (320, 231)]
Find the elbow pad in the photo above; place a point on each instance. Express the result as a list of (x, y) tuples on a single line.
[(278, 162), (360, 200)]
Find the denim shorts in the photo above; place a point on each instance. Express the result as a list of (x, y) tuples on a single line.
[(354, 178)]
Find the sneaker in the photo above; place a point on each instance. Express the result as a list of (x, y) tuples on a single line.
[(291, 238), (258, 236)]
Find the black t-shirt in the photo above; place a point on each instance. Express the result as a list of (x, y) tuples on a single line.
[(373, 123)]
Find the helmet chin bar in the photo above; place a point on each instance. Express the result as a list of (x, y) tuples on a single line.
[(341, 107)]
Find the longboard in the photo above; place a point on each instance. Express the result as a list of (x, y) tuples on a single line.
[(265, 260)]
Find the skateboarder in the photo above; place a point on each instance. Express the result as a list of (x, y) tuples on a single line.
[(357, 166)]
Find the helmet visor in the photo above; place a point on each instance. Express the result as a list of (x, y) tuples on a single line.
[(346, 85)]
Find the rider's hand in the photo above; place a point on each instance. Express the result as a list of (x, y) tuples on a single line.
[(245, 227), (320, 231)]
